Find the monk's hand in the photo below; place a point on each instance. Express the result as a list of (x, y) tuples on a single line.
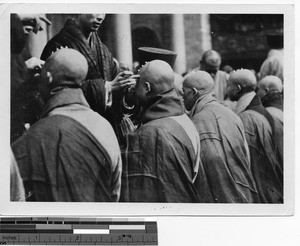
[(123, 80), (33, 22), (34, 64)]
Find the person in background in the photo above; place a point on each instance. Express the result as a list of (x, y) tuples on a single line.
[(224, 150), (210, 63), (263, 134), (273, 65), (105, 83), (161, 159), (25, 104), (227, 69), (270, 92), (71, 154)]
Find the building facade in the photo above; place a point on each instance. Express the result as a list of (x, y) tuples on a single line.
[(240, 39)]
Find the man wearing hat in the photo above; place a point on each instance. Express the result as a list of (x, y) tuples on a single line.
[(161, 160), (71, 154)]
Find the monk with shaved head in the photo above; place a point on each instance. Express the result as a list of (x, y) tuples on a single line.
[(161, 160), (263, 134), (224, 151), (71, 154), (270, 92), (210, 63)]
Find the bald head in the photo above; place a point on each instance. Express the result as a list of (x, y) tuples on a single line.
[(159, 75), (243, 77), (67, 66), (64, 68), (269, 85), (200, 80), (210, 62), (211, 58), (195, 85), (155, 77), (240, 82)]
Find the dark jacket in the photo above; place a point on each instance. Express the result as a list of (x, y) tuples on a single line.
[(60, 159), (224, 152), (266, 151), (159, 161)]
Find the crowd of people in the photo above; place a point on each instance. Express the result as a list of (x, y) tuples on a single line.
[(86, 129)]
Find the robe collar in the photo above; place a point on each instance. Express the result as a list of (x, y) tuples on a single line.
[(64, 97), (162, 105), (202, 102)]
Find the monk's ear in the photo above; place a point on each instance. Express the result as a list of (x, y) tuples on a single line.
[(195, 91), (239, 88), (49, 79), (148, 87), (267, 90)]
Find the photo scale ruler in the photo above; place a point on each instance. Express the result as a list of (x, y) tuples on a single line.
[(77, 231)]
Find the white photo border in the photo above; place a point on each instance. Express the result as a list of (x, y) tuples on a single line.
[(8, 208)]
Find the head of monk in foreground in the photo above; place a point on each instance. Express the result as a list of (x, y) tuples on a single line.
[(156, 77), (269, 85), (64, 68), (196, 85), (240, 82)]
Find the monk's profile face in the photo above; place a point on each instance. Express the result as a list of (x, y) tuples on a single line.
[(188, 97), (91, 22), (232, 90)]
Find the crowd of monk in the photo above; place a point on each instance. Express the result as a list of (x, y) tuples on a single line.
[(84, 128)]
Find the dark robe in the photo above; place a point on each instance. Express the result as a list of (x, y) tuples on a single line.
[(61, 159), (159, 158), (101, 68), (265, 140), (224, 152)]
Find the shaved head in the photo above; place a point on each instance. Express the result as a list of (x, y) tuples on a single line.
[(159, 74), (243, 77), (268, 85), (64, 68), (66, 65), (156, 77), (210, 62), (240, 82), (195, 85), (211, 58), (200, 80)]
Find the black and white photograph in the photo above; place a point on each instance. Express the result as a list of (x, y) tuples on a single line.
[(165, 107), (184, 113)]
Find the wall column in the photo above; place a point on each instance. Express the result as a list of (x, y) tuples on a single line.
[(205, 33), (122, 39), (178, 42)]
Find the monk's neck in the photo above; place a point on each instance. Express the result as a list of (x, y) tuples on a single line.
[(86, 33)]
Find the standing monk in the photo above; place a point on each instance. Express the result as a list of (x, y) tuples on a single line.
[(262, 134), (162, 157), (71, 154), (270, 93), (224, 151), (104, 84)]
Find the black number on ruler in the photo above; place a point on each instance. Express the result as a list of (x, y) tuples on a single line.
[(2, 243), (77, 238)]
